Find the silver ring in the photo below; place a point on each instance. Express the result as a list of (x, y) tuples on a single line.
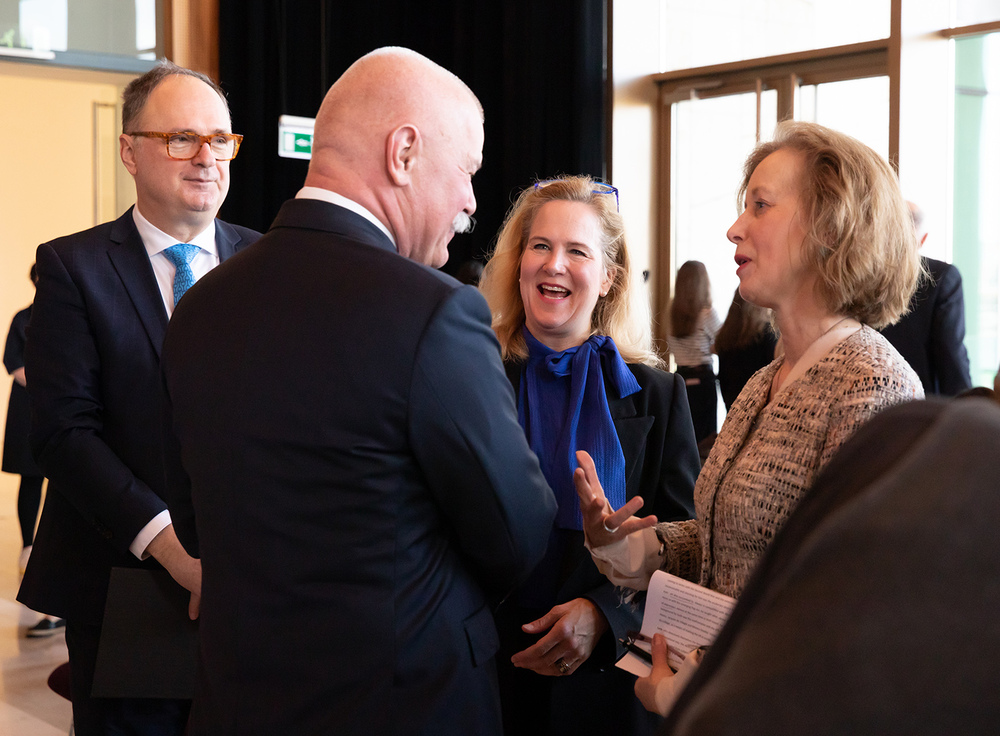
[(609, 531), (562, 666)]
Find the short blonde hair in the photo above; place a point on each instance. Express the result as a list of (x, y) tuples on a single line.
[(623, 314), (859, 230)]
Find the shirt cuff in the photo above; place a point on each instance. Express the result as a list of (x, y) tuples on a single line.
[(158, 523), (631, 561)]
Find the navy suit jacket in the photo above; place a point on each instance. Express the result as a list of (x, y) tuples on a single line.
[(93, 353), (345, 458), (931, 335)]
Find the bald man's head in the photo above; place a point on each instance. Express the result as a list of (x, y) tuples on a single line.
[(401, 136), (919, 226)]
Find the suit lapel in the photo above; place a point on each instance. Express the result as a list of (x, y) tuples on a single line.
[(131, 262), (632, 431), (226, 240)]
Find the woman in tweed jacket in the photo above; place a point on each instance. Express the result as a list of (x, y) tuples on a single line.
[(825, 242)]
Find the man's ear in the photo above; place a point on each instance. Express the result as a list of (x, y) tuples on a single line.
[(402, 148), (127, 151)]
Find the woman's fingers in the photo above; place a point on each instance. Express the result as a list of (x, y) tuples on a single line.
[(601, 523), (614, 519)]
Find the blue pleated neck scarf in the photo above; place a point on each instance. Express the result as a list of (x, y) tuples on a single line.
[(563, 407)]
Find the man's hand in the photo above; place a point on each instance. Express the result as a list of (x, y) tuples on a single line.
[(183, 568), (574, 629)]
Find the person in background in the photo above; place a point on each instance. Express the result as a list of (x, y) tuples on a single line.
[(470, 272), (342, 448), (745, 343), (824, 241), (17, 458), (691, 339), (931, 334), (575, 335), (93, 359)]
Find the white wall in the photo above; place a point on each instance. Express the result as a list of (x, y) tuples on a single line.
[(636, 49), (61, 174)]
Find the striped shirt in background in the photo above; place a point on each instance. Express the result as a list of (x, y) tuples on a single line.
[(696, 348)]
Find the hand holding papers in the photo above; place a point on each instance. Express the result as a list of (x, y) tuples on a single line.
[(688, 615)]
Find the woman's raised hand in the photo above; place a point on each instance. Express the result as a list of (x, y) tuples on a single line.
[(601, 523)]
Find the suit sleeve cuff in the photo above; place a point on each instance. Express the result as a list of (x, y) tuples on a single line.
[(156, 525)]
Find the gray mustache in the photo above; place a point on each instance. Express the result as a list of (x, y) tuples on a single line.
[(463, 223)]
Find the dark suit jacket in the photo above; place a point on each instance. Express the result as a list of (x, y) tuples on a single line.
[(874, 610), (661, 465), (931, 335), (17, 457), (344, 456), (93, 355)]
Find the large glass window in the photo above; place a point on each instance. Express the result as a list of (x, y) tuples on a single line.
[(868, 89), (712, 139), (976, 194), (836, 105), (95, 33), (718, 31), (971, 12)]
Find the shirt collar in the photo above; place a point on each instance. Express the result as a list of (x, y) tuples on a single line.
[(348, 204), (156, 241)]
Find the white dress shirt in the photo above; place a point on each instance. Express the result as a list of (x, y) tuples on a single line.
[(348, 204), (157, 241), (207, 258)]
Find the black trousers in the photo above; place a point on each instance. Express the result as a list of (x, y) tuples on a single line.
[(702, 393), (29, 497)]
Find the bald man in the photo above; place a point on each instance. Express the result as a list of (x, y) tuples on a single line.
[(343, 449)]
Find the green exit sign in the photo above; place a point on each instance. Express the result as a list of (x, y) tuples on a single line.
[(295, 136)]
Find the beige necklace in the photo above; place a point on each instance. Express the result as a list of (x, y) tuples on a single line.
[(816, 350)]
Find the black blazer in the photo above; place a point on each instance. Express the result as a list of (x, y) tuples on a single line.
[(874, 609), (661, 465), (93, 353), (344, 456), (17, 457), (931, 335)]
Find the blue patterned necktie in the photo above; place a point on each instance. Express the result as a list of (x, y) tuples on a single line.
[(180, 255)]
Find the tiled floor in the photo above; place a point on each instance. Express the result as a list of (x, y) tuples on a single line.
[(27, 706)]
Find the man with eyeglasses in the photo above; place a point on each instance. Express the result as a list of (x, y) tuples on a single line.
[(103, 301), (376, 495)]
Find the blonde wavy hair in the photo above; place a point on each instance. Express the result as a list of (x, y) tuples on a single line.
[(859, 230), (623, 314)]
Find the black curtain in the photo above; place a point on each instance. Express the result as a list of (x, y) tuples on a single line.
[(538, 67)]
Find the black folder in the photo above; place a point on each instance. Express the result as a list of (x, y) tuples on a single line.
[(149, 646)]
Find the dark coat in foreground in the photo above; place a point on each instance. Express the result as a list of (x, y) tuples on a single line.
[(874, 610)]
